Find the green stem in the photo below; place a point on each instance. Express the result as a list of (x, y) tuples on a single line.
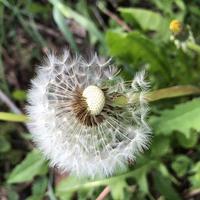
[(194, 47), (13, 117), (166, 93), (107, 181), (171, 92)]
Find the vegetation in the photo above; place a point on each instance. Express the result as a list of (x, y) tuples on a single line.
[(136, 35)]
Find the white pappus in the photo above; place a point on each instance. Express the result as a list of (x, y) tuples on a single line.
[(74, 121)]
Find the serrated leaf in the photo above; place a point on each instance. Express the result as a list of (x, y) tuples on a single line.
[(162, 168), (131, 47), (141, 178), (195, 178), (183, 118), (164, 186), (39, 188), (181, 165), (71, 184), (160, 146), (147, 19), (188, 142), (4, 144), (40, 185), (34, 164), (117, 189)]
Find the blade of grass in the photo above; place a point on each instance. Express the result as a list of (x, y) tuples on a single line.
[(3, 82), (28, 25), (13, 117), (60, 21), (83, 21)]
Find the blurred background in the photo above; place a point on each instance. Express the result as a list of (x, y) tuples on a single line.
[(135, 33)]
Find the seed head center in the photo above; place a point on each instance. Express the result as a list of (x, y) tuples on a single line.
[(94, 98)]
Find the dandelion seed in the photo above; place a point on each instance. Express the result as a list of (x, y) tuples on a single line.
[(75, 122)]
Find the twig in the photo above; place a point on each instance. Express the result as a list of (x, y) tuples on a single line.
[(9, 103), (47, 30), (192, 193), (104, 193), (115, 18)]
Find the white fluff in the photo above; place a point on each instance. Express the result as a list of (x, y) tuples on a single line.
[(68, 144)]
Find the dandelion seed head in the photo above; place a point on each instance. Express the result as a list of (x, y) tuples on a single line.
[(94, 98), (74, 121)]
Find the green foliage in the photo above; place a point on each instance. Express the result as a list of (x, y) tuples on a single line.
[(131, 46), (39, 188), (170, 168), (19, 95), (147, 20), (117, 189), (4, 144), (164, 186), (195, 178), (181, 164), (34, 164), (183, 118)]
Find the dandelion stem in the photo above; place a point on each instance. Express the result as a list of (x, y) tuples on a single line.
[(104, 193), (194, 47), (12, 117), (166, 93), (171, 92)]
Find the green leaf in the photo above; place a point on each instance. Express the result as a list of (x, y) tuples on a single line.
[(195, 178), (164, 186), (160, 146), (117, 189), (181, 165), (182, 118), (13, 117), (162, 168), (131, 47), (141, 178), (19, 95), (147, 19), (62, 25), (71, 184), (167, 8), (39, 188), (143, 182), (4, 144), (12, 194), (40, 185), (188, 142), (32, 165)]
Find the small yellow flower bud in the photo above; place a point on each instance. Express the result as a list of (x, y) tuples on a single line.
[(176, 27)]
